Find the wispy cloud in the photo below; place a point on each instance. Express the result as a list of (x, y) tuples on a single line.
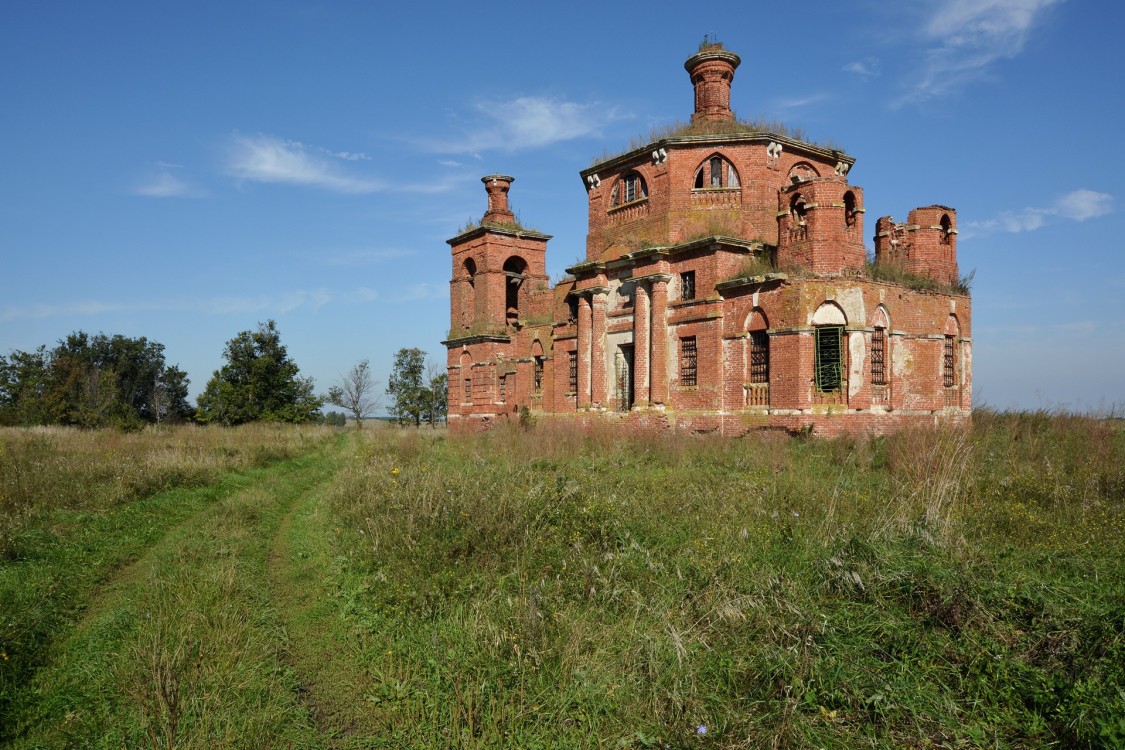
[(801, 101), (299, 299), (1078, 205), (423, 291), (867, 67), (964, 38), (266, 158), (358, 258), (526, 122), (163, 185)]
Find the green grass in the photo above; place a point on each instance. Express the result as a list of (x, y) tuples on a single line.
[(545, 588)]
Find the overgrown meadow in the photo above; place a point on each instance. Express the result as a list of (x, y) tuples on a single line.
[(542, 588)]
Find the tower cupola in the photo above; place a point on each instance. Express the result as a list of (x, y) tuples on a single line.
[(711, 71), (498, 212)]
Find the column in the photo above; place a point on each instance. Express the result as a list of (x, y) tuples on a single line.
[(584, 319), (658, 384), (640, 345), (597, 350)]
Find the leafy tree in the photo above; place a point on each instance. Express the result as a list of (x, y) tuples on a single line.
[(92, 381), (437, 393), (355, 393), (407, 387), (258, 382)]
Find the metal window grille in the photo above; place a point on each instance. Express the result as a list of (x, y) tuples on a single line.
[(687, 285), (625, 380), (879, 357), (829, 358), (630, 189), (759, 357), (573, 384), (689, 361), (538, 373), (468, 390), (716, 172), (947, 369), (503, 388)]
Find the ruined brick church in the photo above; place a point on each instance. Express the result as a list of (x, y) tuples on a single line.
[(725, 288)]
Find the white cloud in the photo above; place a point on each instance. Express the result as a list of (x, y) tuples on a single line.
[(527, 122), (163, 185), (867, 67), (801, 101), (965, 37), (265, 158), (1078, 205)]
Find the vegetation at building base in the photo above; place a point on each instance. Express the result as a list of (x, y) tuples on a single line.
[(536, 587)]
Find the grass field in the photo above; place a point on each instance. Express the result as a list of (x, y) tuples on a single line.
[(273, 587)]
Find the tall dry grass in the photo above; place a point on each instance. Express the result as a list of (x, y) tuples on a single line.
[(44, 470)]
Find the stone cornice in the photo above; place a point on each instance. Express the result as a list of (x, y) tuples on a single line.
[(507, 231)]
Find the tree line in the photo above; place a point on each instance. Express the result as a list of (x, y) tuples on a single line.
[(103, 381)]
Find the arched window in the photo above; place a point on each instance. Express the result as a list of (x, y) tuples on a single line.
[(880, 324), (470, 269), (828, 353), (715, 173), (759, 347), (949, 369), (798, 228), (802, 172), (849, 208), (629, 188), (514, 270), (946, 230)]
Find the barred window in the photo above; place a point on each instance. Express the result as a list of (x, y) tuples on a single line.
[(468, 390), (503, 388), (879, 357), (759, 357), (829, 358), (687, 285), (537, 371), (949, 374), (689, 361), (573, 383)]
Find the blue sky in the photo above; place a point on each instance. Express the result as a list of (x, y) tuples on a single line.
[(183, 171)]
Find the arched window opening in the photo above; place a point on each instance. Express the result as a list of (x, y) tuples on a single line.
[(802, 172), (798, 227), (849, 208), (629, 188), (950, 352), (946, 230), (514, 270), (879, 350), (716, 173), (828, 348), (759, 348), (470, 268)]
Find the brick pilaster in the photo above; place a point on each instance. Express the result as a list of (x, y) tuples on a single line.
[(641, 325), (597, 350), (584, 321), (658, 384)]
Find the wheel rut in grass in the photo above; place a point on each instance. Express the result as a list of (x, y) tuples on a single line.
[(185, 647)]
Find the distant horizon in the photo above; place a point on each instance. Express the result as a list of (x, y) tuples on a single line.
[(183, 174)]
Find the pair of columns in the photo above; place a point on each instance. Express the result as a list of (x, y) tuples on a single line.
[(650, 343)]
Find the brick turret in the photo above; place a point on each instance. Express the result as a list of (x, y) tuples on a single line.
[(495, 267), (712, 71), (820, 226), (926, 245), (498, 212)]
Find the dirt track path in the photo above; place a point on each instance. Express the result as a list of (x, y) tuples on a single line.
[(215, 637)]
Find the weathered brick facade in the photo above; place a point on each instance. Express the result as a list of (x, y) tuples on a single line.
[(725, 288)]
